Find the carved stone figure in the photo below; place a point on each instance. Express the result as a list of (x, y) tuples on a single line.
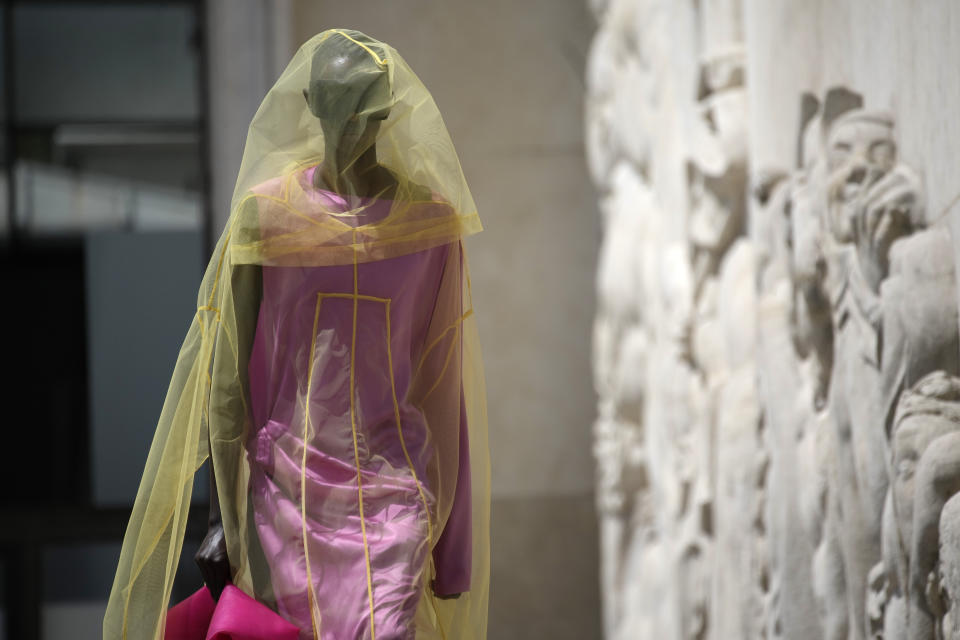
[(949, 569), (639, 290), (869, 206), (796, 361), (924, 478), (776, 442)]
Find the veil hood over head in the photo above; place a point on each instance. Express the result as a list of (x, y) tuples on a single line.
[(351, 106), (347, 165)]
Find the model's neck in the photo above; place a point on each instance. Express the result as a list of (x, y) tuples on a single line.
[(349, 178)]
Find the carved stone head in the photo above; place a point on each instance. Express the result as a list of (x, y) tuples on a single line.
[(924, 413), (872, 200), (860, 150)]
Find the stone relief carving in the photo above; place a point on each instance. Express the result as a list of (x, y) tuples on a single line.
[(847, 227), (777, 364), (675, 365)]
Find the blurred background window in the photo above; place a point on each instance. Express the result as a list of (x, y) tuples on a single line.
[(101, 140), (103, 188)]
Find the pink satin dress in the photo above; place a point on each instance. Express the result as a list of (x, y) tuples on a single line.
[(333, 357)]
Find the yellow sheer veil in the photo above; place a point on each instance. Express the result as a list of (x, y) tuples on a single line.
[(369, 130)]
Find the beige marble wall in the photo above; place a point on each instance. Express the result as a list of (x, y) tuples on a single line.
[(508, 78), (777, 350)]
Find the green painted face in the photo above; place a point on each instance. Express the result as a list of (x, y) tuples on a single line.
[(350, 93)]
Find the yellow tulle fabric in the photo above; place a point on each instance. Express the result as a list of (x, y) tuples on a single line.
[(367, 131)]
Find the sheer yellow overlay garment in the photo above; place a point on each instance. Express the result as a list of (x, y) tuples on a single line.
[(332, 371)]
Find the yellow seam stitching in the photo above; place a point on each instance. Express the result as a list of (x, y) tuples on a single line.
[(236, 354), (406, 455), (314, 160), (311, 598), (440, 228), (223, 252), (135, 574), (380, 61), (434, 343), (443, 333), (403, 444), (204, 402), (209, 378), (206, 405), (453, 324), (288, 205), (356, 450), (282, 202), (368, 247), (466, 271), (428, 589), (439, 232), (352, 296), (446, 363), (436, 612)]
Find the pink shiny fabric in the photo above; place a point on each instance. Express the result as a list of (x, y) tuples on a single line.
[(395, 519), (236, 616)]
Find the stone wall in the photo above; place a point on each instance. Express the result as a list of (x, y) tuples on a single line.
[(776, 346)]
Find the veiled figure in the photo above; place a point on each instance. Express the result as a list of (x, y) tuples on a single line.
[(332, 374)]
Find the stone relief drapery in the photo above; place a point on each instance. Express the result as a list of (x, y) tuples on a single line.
[(776, 353)]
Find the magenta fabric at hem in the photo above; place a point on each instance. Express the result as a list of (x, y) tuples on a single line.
[(236, 616)]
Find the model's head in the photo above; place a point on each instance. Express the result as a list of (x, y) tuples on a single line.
[(349, 92)]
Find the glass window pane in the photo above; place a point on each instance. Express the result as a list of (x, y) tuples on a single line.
[(56, 200), (77, 62), (76, 584), (139, 304), (106, 128)]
